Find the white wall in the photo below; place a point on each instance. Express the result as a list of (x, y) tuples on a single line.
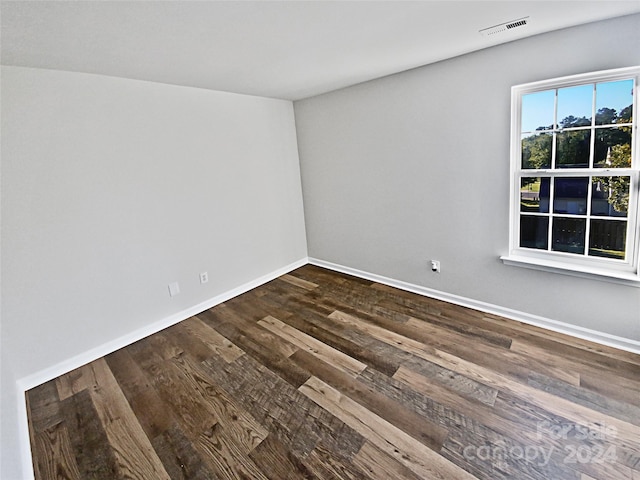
[(112, 189), (415, 166)]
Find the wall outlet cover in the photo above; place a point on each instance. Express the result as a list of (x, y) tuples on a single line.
[(174, 289)]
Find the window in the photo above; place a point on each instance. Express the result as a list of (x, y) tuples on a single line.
[(575, 175)]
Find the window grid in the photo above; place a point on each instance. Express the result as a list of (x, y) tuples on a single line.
[(592, 250), (588, 216)]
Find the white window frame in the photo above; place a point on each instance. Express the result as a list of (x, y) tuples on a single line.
[(619, 271)]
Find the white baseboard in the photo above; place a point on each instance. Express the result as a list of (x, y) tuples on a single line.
[(554, 325), (47, 374)]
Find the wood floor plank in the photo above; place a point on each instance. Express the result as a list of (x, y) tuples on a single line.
[(299, 282), (557, 405), (221, 434), (362, 298), (179, 455), (216, 342), (356, 300), (420, 428), (499, 458), (392, 338), (630, 372), (153, 413), (609, 385), (193, 415), (326, 462), (43, 406), (363, 348), (531, 424), (381, 466), (551, 339), (94, 453), (177, 338), (240, 426), (470, 327), (226, 460), (58, 460), (623, 410), (413, 335), (468, 424), (491, 378), (136, 458), (272, 300), (507, 362), (313, 346), (547, 416), (388, 438), (82, 378), (460, 384), (318, 374), (278, 463), (261, 344), (324, 277), (447, 406), (293, 418)]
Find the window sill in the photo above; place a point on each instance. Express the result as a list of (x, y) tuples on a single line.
[(624, 278)]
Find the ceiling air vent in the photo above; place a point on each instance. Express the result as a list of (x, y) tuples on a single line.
[(504, 27)]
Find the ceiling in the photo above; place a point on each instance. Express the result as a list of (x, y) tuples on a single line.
[(281, 49)]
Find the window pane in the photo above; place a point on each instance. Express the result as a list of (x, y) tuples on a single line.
[(568, 234), (570, 195), (607, 238), (614, 102), (534, 194), (534, 232), (574, 106), (573, 149), (610, 196), (537, 111), (613, 148), (536, 151)]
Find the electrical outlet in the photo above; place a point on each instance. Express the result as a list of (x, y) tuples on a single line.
[(435, 266), (174, 289), (204, 277)]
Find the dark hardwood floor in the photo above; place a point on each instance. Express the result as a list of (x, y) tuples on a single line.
[(321, 375)]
